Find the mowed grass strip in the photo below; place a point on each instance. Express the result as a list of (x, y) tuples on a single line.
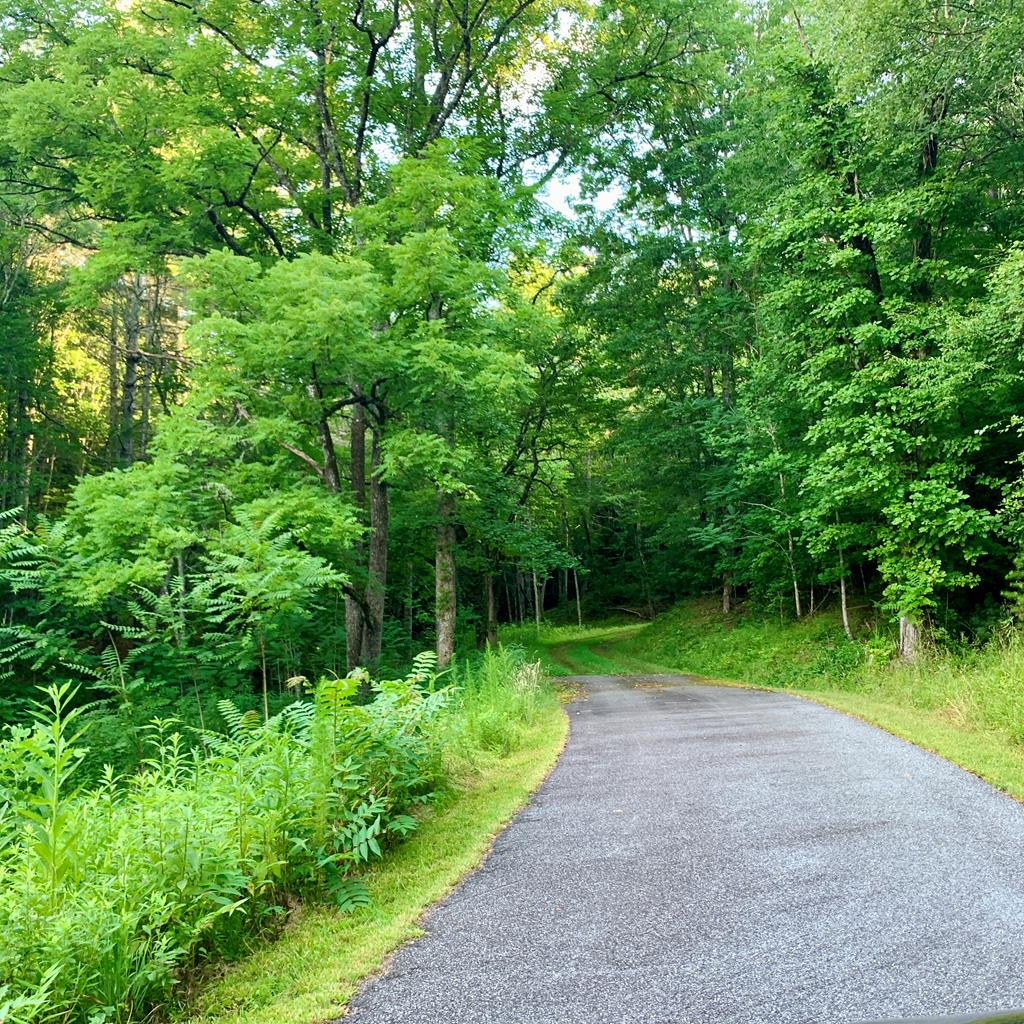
[(312, 970)]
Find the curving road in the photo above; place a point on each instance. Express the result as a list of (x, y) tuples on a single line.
[(704, 854)]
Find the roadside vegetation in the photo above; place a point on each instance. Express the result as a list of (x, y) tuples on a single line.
[(116, 895)]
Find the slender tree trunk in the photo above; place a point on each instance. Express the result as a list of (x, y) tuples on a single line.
[(377, 567), (445, 609), (445, 594), (263, 674), (354, 619), (576, 587), (17, 467), (842, 591), (332, 475), (789, 533), (726, 594), (792, 571), (154, 307), (492, 609), (357, 455), (537, 601), (922, 242), (113, 386), (409, 612), (144, 410), (644, 577), (129, 381), (27, 455)]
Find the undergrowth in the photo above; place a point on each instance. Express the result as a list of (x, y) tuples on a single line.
[(112, 895)]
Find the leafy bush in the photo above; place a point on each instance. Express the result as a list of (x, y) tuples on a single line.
[(110, 895)]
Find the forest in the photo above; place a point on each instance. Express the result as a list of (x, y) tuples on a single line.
[(337, 331)]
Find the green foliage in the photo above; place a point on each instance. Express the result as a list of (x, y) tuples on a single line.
[(810, 303), (113, 892)]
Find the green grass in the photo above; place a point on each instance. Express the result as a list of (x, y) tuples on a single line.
[(315, 966), (967, 706), (573, 650)]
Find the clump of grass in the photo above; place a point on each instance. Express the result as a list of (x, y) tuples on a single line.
[(502, 694), (978, 688)]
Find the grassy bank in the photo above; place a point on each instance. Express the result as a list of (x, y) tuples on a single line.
[(967, 706)]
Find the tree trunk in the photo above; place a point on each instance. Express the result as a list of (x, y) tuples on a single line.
[(377, 566), (843, 604), (144, 411), (150, 363), (444, 580), (538, 601), (792, 571), (842, 591), (409, 612), (332, 475), (910, 639), (354, 619), (492, 610), (579, 607), (113, 384), (263, 676), (922, 242), (26, 455), (129, 381), (644, 577), (789, 534), (726, 594)]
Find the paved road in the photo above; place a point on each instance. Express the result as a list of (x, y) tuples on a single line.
[(703, 854)]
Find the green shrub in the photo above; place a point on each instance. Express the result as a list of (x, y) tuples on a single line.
[(109, 896)]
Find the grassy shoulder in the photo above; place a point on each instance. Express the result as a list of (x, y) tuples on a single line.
[(965, 706), (312, 970)]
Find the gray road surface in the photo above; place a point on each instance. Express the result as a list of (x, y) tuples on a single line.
[(704, 854)]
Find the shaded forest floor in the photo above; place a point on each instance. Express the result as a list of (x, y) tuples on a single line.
[(966, 706)]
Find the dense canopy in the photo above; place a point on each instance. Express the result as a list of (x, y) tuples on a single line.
[(335, 329)]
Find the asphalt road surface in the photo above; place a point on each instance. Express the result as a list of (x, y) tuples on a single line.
[(704, 854)]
